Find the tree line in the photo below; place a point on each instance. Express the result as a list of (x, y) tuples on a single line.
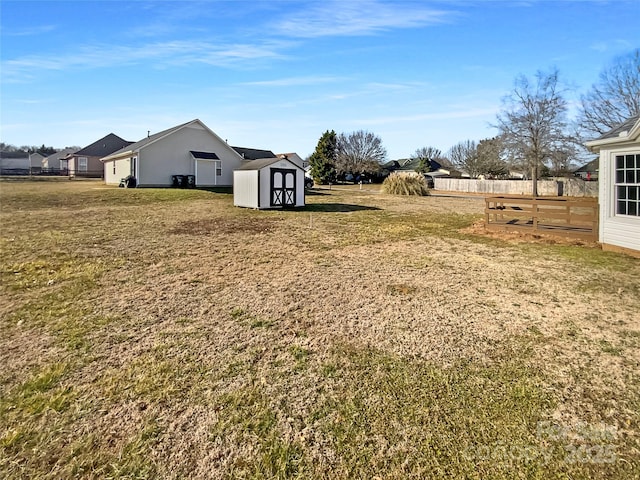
[(534, 132), (13, 151)]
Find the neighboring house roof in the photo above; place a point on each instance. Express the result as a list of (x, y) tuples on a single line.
[(265, 162), (60, 155), (294, 157), (592, 166), (391, 165), (104, 146), (254, 153), (412, 164), (627, 131), (18, 154), (204, 155)]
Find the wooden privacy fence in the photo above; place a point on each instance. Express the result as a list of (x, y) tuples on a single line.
[(559, 216)]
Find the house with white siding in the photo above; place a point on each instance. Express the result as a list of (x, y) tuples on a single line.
[(187, 150), (619, 187)]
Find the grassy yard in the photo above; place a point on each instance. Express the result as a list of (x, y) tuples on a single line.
[(165, 333)]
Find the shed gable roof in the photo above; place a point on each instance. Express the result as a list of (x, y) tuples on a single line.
[(265, 162)]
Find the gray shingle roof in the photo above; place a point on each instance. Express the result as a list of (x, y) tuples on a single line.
[(592, 166), (61, 154), (103, 147), (626, 126), (254, 153)]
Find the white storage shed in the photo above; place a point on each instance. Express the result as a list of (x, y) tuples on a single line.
[(268, 183)]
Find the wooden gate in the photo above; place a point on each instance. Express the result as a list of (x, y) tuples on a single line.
[(558, 216)]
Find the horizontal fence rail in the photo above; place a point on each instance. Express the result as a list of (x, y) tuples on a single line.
[(558, 216), (37, 171)]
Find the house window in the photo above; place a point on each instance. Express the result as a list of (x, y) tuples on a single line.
[(628, 185), (218, 169), (114, 168), (82, 164)]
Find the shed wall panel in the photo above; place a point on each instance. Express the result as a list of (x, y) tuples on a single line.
[(245, 188)]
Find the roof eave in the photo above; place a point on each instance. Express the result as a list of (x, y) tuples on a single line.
[(117, 156), (625, 137)]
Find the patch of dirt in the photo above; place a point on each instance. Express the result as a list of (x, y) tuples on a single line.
[(224, 225)]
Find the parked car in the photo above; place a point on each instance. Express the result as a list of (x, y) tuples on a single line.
[(308, 182)]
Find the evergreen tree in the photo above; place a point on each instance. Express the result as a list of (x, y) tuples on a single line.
[(323, 159)]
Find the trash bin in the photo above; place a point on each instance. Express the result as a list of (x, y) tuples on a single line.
[(130, 182), (191, 181), (176, 181), (127, 182)]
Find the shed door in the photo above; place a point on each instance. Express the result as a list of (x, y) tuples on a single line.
[(283, 187)]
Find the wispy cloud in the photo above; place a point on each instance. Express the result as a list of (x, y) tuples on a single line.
[(296, 81), (363, 17), (459, 114), (160, 54), (611, 45), (29, 31)]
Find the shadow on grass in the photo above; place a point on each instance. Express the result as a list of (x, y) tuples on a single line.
[(227, 190), (314, 193), (337, 207)]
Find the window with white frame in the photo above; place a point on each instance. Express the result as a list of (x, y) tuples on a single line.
[(628, 184), (82, 164), (218, 169), (114, 168)]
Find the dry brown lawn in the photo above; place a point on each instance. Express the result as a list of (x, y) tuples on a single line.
[(166, 333)]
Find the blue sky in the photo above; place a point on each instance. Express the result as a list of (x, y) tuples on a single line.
[(277, 74)]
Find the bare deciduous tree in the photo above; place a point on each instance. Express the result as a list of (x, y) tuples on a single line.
[(464, 156), (482, 158), (359, 152), (614, 99), (533, 122)]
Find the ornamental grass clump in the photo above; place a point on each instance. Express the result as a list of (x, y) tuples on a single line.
[(397, 184)]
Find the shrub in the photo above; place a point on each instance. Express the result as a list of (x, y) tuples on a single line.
[(398, 184)]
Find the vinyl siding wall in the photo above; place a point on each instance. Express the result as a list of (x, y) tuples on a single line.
[(169, 156), (617, 230), (245, 188), (123, 169)]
